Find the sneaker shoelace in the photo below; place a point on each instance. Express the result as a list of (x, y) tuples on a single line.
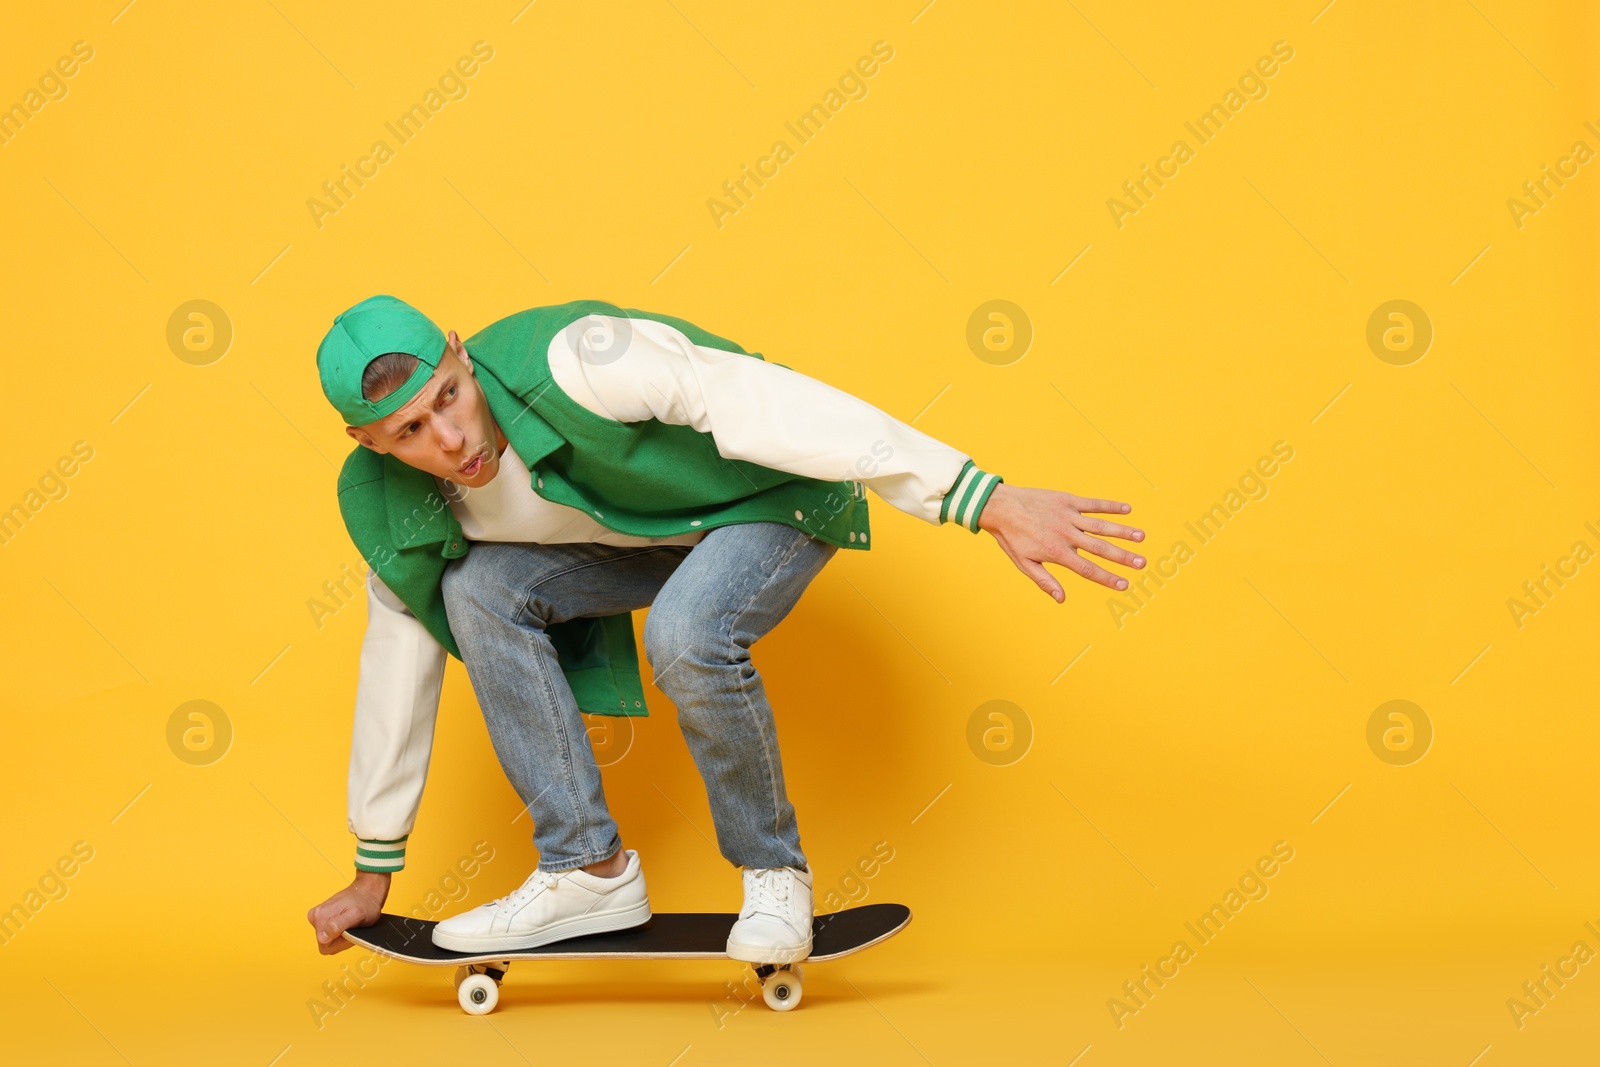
[(770, 891), (519, 896)]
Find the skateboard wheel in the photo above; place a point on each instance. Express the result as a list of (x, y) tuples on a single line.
[(478, 994), (782, 991), (461, 975)]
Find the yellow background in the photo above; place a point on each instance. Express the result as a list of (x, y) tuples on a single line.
[(1226, 715)]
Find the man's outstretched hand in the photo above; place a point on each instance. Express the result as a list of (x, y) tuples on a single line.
[(359, 904), (1038, 526)]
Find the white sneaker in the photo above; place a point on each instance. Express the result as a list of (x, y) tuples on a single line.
[(774, 926), (550, 907)]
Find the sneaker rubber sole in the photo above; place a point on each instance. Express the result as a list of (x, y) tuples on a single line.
[(768, 953), (577, 926)]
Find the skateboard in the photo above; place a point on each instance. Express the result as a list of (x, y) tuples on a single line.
[(665, 936)]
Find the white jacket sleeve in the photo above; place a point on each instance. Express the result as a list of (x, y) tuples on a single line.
[(397, 701), (632, 369)]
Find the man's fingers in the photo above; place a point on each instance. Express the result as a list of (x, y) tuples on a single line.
[(1062, 552), (1106, 550), (1111, 529), (331, 920), (338, 944), (1070, 559), (1111, 507), (344, 916), (1042, 578), (1087, 568), (1104, 577)]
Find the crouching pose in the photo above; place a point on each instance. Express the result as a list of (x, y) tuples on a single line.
[(518, 495)]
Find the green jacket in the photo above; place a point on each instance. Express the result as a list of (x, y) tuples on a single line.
[(647, 479)]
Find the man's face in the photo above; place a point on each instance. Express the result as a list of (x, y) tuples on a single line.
[(446, 429)]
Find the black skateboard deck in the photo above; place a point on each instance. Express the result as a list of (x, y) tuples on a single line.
[(666, 935)]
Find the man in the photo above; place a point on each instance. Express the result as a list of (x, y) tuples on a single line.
[(520, 494)]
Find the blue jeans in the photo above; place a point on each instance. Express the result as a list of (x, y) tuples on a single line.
[(709, 602)]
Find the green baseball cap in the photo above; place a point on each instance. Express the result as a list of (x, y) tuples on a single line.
[(360, 334)]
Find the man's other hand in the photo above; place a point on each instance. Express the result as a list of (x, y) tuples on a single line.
[(358, 905), (1038, 526)]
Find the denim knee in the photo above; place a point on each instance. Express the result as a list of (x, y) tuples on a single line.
[(678, 645), (467, 599), (481, 597)]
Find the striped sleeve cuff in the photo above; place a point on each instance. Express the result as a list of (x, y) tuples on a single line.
[(964, 502), (380, 857)]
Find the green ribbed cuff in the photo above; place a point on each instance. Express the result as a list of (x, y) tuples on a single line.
[(964, 502), (380, 857)]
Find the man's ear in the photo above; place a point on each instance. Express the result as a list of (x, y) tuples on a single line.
[(365, 439), (461, 351)]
